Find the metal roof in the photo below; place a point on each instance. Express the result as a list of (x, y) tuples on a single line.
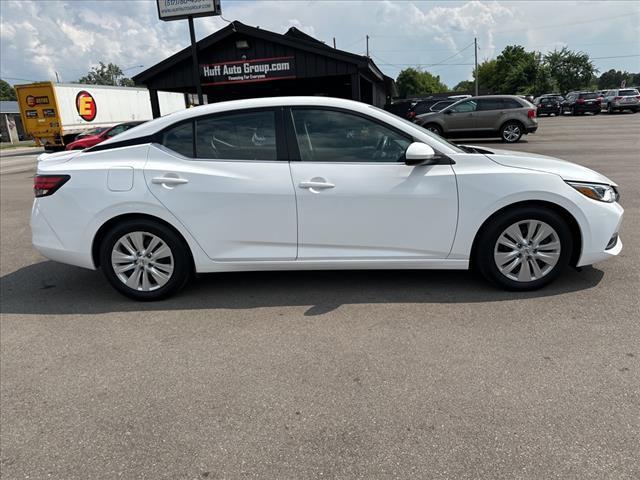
[(293, 38)]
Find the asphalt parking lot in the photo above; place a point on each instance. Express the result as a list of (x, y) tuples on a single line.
[(295, 375)]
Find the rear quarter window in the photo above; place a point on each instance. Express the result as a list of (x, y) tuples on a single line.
[(179, 138), (509, 103)]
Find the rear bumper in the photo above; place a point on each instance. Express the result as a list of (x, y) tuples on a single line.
[(622, 106), (49, 244), (532, 128), (587, 108)]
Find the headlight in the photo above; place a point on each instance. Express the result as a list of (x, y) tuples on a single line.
[(597, 191)]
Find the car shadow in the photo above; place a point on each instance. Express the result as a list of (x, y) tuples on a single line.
[(478, 141), (50, 288)]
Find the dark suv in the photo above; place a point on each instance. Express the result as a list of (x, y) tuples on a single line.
[(548, 104), (581, 102)]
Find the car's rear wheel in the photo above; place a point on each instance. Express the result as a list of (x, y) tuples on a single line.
[(524, 249), (432, 127), (511, 132), (145, 260)]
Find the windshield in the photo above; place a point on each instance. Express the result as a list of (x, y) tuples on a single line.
[(438, 138)]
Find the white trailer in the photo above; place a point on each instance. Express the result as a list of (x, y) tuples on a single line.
[(55, 113)]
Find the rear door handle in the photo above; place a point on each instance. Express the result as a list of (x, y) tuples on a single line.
[(169, 180), (316, 185)]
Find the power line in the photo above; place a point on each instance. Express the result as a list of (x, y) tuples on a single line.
[(541, 27), (616, 56)]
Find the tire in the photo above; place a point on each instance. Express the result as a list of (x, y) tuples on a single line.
[(609, 109), (511, 132), (574, 112), (433, 128), (596, 112), (634, 110), (146, 280), (490, 250)]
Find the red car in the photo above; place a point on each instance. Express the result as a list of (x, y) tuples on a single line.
[(87, 141)]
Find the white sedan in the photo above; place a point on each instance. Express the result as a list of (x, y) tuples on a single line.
[(314, 183)]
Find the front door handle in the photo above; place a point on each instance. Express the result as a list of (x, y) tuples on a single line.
[(169, 180), (316, 185)]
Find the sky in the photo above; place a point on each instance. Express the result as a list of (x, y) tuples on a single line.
[(40, 38)]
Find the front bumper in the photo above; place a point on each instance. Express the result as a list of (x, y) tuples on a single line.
[(605, 220)]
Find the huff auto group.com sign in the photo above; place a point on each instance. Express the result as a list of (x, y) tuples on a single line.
[(246, 71)]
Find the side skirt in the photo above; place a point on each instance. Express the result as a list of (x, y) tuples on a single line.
[(430, 264)]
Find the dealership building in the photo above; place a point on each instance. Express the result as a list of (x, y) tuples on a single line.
[(240, 61)]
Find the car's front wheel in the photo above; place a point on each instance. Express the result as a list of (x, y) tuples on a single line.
[(524, 249), (511, 132), (145, 260)]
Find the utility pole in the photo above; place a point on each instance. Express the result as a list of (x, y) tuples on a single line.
[(367, 45), (334, 42), (475, 45), (194, 60), (57, 78)]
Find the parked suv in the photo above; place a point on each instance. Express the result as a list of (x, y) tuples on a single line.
[(505, 116), (581, 102), (621, 99), (548, 104), (424, 106)]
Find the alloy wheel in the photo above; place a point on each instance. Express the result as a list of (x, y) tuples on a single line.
[(527, 250), (142, 261), (511, 133)]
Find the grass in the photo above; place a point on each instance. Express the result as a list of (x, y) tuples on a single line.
[(23, 144)]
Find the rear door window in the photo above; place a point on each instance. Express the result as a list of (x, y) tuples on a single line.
[(589, 96), (237, 136), (490, 104)]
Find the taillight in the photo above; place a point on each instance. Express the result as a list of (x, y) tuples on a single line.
[(45, 185), (580, 100), (531, 113), (411, 114), (617, 98)]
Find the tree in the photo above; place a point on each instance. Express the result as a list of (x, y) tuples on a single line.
[(106, 75), (613, 79), (487, 79), (515, 70), (413, 82), (465, 86), (6, 91), (570, 70)]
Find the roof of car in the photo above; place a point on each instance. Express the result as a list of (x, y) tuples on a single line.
[(153, 126)]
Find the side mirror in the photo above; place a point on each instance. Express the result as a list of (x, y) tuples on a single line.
[(419, 153)]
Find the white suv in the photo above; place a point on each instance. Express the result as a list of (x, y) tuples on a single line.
[(621, 99)]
